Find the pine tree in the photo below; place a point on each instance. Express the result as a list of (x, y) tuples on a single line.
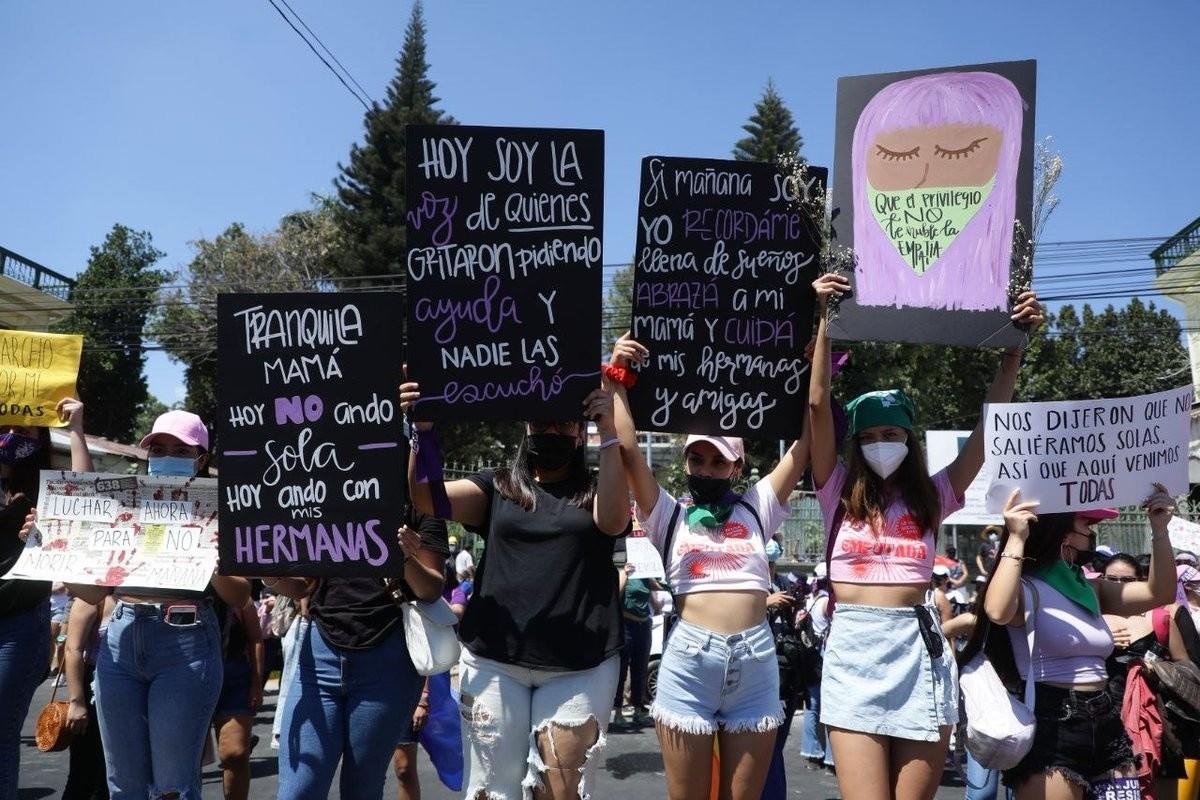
[(113, 298), (371, 187), (772, 130)]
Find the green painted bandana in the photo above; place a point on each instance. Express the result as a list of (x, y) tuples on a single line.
[(922, 223), (712, 515)]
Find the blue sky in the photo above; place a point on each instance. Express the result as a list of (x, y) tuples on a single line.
[(180, 118)]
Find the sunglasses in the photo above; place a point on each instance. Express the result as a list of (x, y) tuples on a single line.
[(1120, 578)]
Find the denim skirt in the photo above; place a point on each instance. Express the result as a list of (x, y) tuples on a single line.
[(880, 678)]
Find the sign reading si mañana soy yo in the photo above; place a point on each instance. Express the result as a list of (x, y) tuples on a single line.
[(1082, 454), (504, 267), (722, 296), (312, 461)]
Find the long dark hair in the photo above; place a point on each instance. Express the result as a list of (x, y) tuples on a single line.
[(1124, 558), (517, 482), (25, 476), (1043, 546), (866, 495)]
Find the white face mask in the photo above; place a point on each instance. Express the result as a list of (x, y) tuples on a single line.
[(884, 458)]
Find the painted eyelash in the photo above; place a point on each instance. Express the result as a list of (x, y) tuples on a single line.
[(892, 155), (966, 151)]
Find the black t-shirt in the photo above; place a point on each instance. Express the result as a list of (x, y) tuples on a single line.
[(546, 588), (17, 596), (357, 613)]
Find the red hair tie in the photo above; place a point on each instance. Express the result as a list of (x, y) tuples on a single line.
[(622, 375)]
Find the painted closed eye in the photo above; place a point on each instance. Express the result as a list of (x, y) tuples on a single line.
[(961, 152), (892, 155)]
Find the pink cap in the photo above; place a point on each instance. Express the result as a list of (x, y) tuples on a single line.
[(183, 425), (1094, 515), (728, 446)]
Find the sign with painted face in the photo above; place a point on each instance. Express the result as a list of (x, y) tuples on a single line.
[(933, 190)]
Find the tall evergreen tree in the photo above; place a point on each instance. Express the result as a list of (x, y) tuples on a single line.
[(772, 130), (113, 297), (371, 187)]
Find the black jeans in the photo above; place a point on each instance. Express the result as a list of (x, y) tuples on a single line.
[(635, 659), (86, 779)]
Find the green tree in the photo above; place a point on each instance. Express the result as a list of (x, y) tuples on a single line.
[(771, 128), (113, 298), (370, 188), (151, 410), (291, 258)]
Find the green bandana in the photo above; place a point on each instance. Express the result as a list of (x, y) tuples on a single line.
[(713, 515), (922, 223), (1069, 581)]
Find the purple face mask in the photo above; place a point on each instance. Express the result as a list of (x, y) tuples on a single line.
[(16, 447)]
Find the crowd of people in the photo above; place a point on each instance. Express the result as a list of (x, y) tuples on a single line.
[(553, 628)]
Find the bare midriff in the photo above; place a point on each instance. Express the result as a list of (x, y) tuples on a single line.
[(888, 595), (724, 612)]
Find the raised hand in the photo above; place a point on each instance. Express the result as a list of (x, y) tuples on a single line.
[(1028, 311), (831, 284), (628, 353), (1018, 515), (598, 407)]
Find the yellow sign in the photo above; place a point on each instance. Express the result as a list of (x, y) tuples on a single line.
[(36, 371)]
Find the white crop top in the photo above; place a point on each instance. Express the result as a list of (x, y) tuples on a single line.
[(730, 558)]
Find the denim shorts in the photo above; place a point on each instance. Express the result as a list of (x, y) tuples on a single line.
[(1079, 734), (878, 676), (708, 680)]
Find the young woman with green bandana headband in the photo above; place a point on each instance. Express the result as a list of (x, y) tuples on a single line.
[(889, 685), (1079, 736), (718, 677)]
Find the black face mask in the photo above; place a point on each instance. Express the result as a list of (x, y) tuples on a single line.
[(705, 490), (550, 451)]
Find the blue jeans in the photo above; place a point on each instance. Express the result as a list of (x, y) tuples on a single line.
[(349, 705), (24, 658), (635, 659), (156, 688), (982, 783), (812, 739)]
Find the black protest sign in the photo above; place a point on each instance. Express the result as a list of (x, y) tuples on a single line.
[(313, 459), (722, 296), (504, 268), (934, 192)]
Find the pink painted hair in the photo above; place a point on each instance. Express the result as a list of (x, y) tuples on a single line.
[(972, 273)]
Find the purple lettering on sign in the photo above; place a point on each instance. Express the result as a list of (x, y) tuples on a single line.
[(437, 208), (485, 310)]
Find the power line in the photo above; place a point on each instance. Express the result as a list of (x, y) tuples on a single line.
[(312, 33), (328, 66)]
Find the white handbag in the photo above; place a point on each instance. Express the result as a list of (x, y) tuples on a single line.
[(1000, 728), (429, 632)]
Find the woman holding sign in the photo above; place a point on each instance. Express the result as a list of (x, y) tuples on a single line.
[(889, 680), (1079, 738), (718, 677), (159, 668), (542, 632), (25, 605)]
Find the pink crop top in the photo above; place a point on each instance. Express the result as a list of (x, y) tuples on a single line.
[(899, 553), (1071, 645), (731, 558)]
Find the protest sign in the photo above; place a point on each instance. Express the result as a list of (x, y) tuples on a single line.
[(647, 563), (1184, 534), (313, 458), (934, 192), (122, 530), (722, 296), (941, 448), (36, 371), (504, 267), (1082, 454)]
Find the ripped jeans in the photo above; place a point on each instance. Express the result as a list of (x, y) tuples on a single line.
[(505, 707), (156, 688)]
